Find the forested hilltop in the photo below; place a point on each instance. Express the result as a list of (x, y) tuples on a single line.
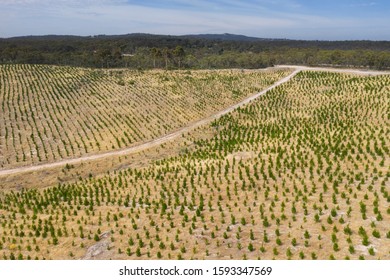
[(145, 51)]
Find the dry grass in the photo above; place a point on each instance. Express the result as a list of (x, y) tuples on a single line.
[(300, 173), (51, 113)]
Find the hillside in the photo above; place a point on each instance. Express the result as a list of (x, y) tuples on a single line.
[(302, 172), (52, 113)]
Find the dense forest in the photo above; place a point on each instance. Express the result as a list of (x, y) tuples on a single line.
[(144, 51)]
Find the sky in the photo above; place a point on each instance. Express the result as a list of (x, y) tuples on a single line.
[(284, 19)]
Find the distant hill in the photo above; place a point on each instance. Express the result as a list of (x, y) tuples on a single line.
[(219, 37), (228, 37), (225, 37)]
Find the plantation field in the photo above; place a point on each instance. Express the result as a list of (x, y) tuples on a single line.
[(302, 172), (51, 113)]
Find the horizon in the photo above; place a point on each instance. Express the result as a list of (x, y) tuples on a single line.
[(188, 35), (342, 20)]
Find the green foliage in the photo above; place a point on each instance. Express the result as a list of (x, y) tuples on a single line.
[(139, 51)]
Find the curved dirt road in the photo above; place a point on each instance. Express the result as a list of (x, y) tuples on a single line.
[(179, 132)]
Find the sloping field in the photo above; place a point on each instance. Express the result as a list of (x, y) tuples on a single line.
[(302, 172), (50, 113)]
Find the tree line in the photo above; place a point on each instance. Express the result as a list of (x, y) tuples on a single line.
[(142, 51)]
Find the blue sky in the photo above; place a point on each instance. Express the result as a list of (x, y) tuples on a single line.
[(292, 19)]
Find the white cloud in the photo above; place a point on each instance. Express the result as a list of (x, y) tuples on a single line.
[(363, 4)]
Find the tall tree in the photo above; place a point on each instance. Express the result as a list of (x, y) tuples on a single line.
[(179, 53), (156, 53), (167, 55), (104, 55)]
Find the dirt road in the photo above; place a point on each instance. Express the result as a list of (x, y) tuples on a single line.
[(179, 132), (335, 70)]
